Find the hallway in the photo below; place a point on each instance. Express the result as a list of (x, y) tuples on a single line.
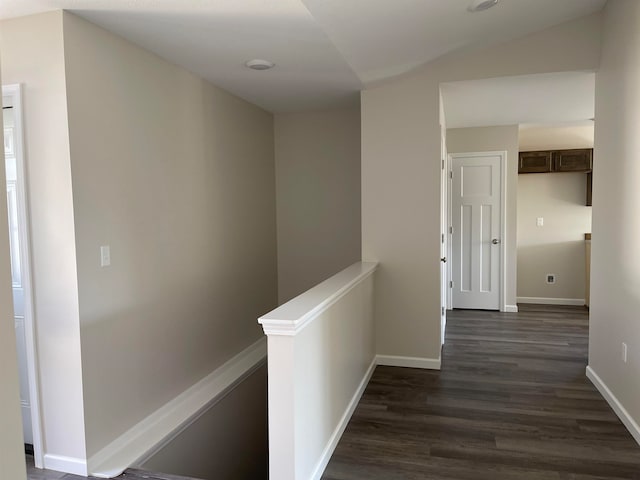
[(511, 402)]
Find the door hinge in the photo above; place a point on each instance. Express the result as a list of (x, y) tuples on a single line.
[(443, 238), (443, 164), (443, 311), (451, 284), (451, 175), (451, 230)]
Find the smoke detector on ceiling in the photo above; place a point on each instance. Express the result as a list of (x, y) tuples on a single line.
[(480, 5), (258, 64)]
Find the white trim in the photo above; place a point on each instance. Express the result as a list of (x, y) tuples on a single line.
[(449, 235), (503, 233), (444, 231), (15, 92), (511, 308), (164, 424), (59, 463), (409, 362), (342, 425), (289, 319), (551, 301), (614, 403)]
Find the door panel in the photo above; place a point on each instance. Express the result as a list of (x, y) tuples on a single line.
[(466, 251), (476, 222), (486, 249), (11, 169)]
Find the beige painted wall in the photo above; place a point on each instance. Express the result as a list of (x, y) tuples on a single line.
[(228, 441), (401, 174), (556, 137), (37, 61), (486, 139), (318, 197), (11, 448), (615, 274), (558, 246), (177, 176)]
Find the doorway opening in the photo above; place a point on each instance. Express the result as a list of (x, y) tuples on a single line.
[(21, 278), (507, 114)]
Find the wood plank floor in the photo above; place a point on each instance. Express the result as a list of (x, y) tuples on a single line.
[(511, 402)]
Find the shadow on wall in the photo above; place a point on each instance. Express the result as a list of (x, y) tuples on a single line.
[(564, 259), (229, 441)]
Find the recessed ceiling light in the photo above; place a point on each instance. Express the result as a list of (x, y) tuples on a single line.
[(480, 5), (258, 64)]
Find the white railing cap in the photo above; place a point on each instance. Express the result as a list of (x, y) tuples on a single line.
[(291, 317)]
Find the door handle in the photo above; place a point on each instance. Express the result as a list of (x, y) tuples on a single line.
[(443, 259), (495, 241)]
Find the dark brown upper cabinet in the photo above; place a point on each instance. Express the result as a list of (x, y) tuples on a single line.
[(573, 160), (535, 162), (556, 161)]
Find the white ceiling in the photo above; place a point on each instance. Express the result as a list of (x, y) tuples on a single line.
[(530, 99), (324, 50)]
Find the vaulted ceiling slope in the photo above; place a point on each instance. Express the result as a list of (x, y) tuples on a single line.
[(325, 51)]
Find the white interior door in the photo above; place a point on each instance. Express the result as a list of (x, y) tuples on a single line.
[(17, 267), (477, 227)]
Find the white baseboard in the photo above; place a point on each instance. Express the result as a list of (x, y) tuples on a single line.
[(613, 402), (164, 424), (342, 425), (76, 466), (410, 362), (511, 308), (552, 301)]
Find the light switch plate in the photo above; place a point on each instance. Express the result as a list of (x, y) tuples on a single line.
[(540, 221), (105, 256)]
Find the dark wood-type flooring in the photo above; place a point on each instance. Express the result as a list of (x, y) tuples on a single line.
[(511, 402), (34, 473)]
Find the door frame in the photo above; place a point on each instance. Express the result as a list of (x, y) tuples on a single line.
[(14, 91), (503, 222), (444, 228)]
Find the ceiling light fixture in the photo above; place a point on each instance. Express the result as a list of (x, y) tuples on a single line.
[(480, 5), (258, 64)]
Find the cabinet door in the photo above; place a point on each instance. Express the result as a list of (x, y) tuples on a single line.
[(573, 160), (534, 162)]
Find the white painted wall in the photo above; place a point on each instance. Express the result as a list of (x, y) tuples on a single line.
[(177, 176), (558, 246), (401, 174), (11, 447), (228, 441), (317, 372), (615, 264), (37, 61), (318, 197), (556, 137), (487, 139)]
